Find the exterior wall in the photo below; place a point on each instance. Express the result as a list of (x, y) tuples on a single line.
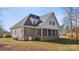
[(17, 33)]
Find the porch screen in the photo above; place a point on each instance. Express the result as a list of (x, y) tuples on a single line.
[(49, 32), (44, 32), (53, 32)]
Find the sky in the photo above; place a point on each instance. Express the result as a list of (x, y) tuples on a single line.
[(12, 15)]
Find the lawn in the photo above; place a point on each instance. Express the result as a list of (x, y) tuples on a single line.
[(8, 44)]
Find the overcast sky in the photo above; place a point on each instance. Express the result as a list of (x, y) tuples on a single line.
[(11, 16)]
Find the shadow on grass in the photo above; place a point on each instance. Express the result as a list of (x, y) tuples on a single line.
[(63, 41), (59, 41)]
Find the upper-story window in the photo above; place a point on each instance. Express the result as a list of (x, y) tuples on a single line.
[(15, 31), (52, 22), (34, 21)]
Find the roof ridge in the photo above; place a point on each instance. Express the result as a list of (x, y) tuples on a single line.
[(47, 14)]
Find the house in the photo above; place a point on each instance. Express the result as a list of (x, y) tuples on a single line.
[(45, 27)]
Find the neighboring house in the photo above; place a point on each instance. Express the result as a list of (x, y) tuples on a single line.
[(45, 27)]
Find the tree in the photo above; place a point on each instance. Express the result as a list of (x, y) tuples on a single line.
[(1, 29), (1, 26), (72, 14), (61, 29), (76, 18), (69, 12)]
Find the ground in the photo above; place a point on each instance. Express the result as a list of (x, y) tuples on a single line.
[(8, 44)]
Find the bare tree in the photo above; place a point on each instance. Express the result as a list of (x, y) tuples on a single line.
[(72, 14), (76, 18), (68, 15), (1, 26), (1, 29)]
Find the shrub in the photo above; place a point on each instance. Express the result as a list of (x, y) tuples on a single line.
[(36, 38), (7, 36), (15, 38), (1, 36)]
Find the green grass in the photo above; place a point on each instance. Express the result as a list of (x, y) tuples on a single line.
[(8, 44)]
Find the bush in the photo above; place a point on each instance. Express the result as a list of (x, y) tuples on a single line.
[(1, 36), (7, 36), (36, 38), (15, 38)]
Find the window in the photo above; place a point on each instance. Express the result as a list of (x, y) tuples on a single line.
[(51, 22), (39, 32), (49, 32), (15, 31), (53, 32), (34, 21), (44, 32), (57, 32)]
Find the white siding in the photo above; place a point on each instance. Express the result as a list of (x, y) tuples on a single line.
[(17, 33), (49, 26)]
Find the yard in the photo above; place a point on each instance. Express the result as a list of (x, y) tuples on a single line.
[(8, 44)]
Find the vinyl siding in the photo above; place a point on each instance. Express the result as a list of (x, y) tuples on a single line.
[(17, 33)]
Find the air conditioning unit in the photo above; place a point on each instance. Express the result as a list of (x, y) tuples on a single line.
[(30, 38)]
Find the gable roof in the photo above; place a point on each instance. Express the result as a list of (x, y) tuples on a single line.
[(20, 23), (56, 20), (42, 18), (46, 16)]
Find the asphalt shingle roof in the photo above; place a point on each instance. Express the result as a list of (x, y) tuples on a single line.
[(42, 18), (20, 23)]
